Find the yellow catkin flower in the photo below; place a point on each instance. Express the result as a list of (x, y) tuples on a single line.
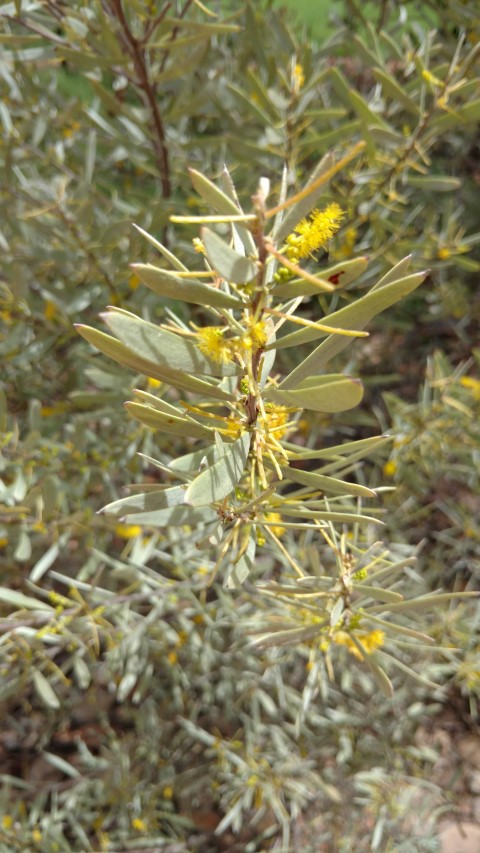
[(298, 77), (50, 311), (153, 383), (133, 281), (276, 529), (211, 342), (277, 419), (138, 824), (370, 642), (256, 337), (390, 468), (167, 792), (128, 531), (36, 836), (431, 79), (7, 821), (172, 658), (443, 253), (313, 233), (198, 245), (472, 384)]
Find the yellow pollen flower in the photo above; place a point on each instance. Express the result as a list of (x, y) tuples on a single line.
[(369, 642), (127, 531), (298, 77), (277, 530), (315, 232), (212, 344), (431, 79), (198, 245)]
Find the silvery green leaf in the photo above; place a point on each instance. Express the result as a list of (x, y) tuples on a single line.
[(434, 183), (325, 515), (339, 275), (167, 423), (219, 479), (238, 572), (175, 516), (171, 286), (48, 558), (337, 611), (226, 261), (339, 451), (147, 502), (329, 485), (395, 91), (212, 194), (169, 256), (244, 234), (378, 592), (398, 271), (124, 355), (331, 393), (162, 347), (44, 690), (354, 316), (21, 601)]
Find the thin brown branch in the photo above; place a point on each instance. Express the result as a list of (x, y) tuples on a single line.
[(174, 34), (135, 49)]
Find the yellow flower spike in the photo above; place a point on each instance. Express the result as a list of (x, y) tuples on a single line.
[(198, 245), (128, 531), (276, 529), (431, 79), (369, 642), (211, 342), (314, 233), (390, 468), (298, 78)]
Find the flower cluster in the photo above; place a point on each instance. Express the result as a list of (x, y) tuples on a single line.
[(313, 233), (212, 341)]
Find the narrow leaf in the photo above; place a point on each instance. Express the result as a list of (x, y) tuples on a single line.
[(163, 347), (333, 393), (339, 275), (226, 261), (355, 316), (329, 485), (171, 286), (167, 423), (147, 502), (218, 480), (123, 355), (21, 601)]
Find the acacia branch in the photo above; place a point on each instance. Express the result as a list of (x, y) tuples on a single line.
[(137, 53)]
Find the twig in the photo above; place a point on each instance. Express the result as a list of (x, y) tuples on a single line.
[(135, 49)]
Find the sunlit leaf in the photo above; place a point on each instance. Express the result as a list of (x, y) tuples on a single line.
[(354, 316), (164, 348), (332, 393), (218, 480), (171, 286), (226, 261), (167, 423), (123, 355)]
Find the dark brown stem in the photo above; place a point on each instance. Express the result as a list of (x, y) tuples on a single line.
[(135, 49), (174, 34)]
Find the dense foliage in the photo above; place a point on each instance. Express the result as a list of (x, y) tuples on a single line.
[(199, 666)]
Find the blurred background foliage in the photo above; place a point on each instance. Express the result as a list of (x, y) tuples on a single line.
[(135, 712)]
